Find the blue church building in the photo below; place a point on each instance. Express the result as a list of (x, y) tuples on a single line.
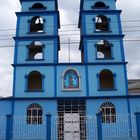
[(88, 100)]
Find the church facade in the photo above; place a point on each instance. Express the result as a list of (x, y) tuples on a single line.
[(69, 101)]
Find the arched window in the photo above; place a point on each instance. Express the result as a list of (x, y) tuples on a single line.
[(108, 112), (35, 81), (38, 6), (99, 5), (106, 80), (35, 50), (101, 23), (34, 114), (71, 80), (104, 49), (36, 24)]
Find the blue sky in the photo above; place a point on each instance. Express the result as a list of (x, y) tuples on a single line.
[(69, 10)]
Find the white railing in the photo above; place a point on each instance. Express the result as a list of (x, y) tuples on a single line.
[(22, 130), (2, 127), (124, 127), (70, 127), (74, 128)]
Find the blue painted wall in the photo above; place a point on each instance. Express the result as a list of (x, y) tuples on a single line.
[(21, 87), (50, 87), (49, 4), (6, 107), (135, 105), (50, 23), (88, 3), (93, 106), (88, 22), (91, 49), (49, 107), (119, 80), (49, 51)]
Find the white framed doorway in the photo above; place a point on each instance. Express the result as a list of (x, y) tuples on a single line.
[(71, 120), (71, 126)]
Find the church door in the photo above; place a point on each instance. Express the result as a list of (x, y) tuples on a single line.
[(71, 120)]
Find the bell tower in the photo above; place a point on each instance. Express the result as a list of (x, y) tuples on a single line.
[(36, 46), (102, 45)]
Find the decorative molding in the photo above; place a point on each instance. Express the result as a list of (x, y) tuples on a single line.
[(67, 64), (76, 97)]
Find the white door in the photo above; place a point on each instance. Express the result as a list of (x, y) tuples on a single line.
[(71, 126)]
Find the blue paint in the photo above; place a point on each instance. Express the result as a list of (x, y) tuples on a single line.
[(96, 55), (138, 124), (28, 26), (87, 81), (122, 50), (85, 52), (18, 26), (109, 24), (55, 52), (112, 51), (35, 0), (87, 5), (83, 27), (115, 81), (32, 13), (14, 81), (44, 27), (67, 64), (119, 24), (32, 37), (26, 82), (56, 5), (99, 126), (98, 81), (126, 80), (43, 51), (9, 127), (16, 52), (43, 82), (55, 81), (95, 12), (94, 24), (129, 117), (27, 54), (84, 97), (48, 127)]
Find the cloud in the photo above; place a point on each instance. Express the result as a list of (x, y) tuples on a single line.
[(6, 71)]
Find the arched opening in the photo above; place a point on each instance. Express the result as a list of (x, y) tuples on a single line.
[(106, 80), (100, 5), (34, 114), (108, 112), (101, 23), (103, 49), (36, 24), (71, 80), (35, 50), (38, 6), (34, 81)]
